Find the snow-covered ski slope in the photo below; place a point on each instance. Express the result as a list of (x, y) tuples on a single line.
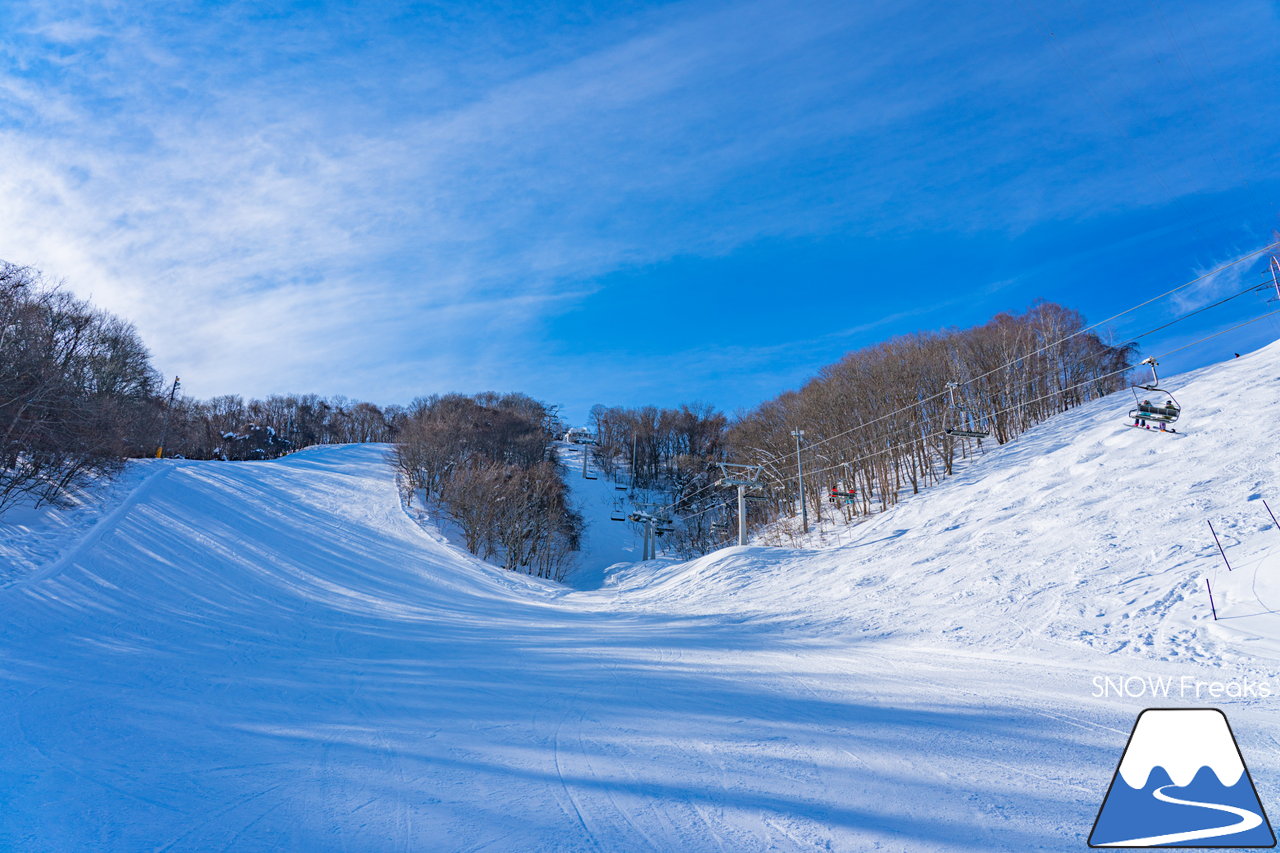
[(1080, 534), (274, 656), (605, 543)]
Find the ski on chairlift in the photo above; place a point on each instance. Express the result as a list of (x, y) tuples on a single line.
[(1145, 412), (967, 426)]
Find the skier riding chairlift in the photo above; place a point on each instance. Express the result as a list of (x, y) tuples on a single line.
[(1146, 411)]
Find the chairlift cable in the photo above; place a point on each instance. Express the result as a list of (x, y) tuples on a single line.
[(1252, 288), (1049, 346), (1054, 393)]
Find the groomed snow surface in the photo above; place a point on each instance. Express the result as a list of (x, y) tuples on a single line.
[(276, 656)]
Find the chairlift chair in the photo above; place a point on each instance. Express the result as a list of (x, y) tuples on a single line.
[(970, 427), (1146, 411), (841, 495), (618, 513), (1275, 278)]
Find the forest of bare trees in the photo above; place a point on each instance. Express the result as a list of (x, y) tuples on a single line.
[(660, 448), (79, 395), (232, 428), (668, 456), (487, 460), (875, 422), (77, 390)]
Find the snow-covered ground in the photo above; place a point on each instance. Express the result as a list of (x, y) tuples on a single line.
[(32, 538), (605, 543), (275, 656), (1082, 534)]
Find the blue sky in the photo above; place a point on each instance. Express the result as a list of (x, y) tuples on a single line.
[(627, 202)]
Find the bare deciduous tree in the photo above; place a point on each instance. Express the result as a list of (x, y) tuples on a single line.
[(877, 419), (76, 389), (486, 459)]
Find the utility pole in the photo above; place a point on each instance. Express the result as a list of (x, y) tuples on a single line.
[(804, 510), (744, 477), (168, 412)]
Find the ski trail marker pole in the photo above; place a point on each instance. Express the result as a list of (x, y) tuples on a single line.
[(1273, 515), (1220, 551), (1211, 607)]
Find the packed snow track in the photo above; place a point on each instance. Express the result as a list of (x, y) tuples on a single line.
[(275, 656)]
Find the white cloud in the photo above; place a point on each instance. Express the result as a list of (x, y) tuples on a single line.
[(270, 227)]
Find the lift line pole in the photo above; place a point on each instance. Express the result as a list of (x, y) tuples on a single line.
[(654, 525), (742, 514), (586, 445), (1220, 548), (743, 477), (168, 412), (647, 550), (804, 510)]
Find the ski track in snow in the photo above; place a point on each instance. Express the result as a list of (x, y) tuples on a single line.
[(268, 656)]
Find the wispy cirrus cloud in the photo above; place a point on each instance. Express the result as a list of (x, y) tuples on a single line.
[(371, 201)]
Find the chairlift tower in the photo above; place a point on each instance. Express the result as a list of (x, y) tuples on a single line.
[(655, 525), (744, 477), (168, 413), (804, 510)]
